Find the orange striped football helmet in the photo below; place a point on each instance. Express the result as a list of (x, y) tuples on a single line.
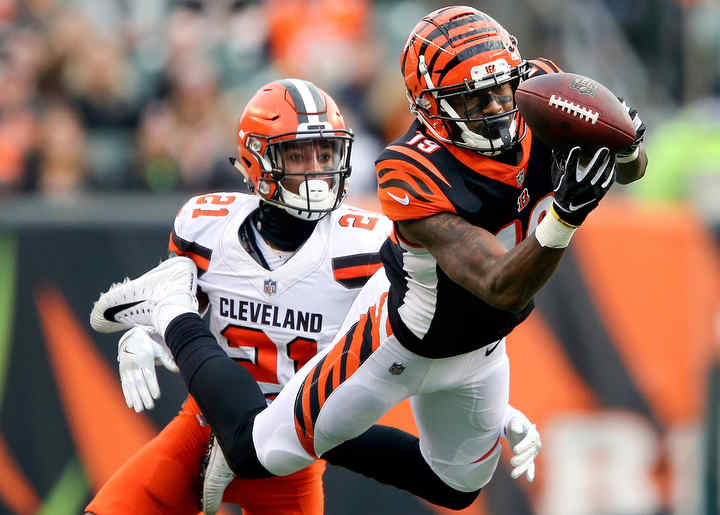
[(294, 148), (456, 57)]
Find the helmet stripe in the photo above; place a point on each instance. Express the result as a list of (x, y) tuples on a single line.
[(445, 28), (494, 44), (408, 47), (317, 97), (428, 40), (551, 64), (297, 98), (307, 98), (449, 42), (472, 33), (312, 100), (434, 58)]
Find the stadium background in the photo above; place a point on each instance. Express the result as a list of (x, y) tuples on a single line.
[(112, 112)]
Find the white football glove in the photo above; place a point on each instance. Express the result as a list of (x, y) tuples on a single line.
[(139, 349), (524, 441), (631, 153)]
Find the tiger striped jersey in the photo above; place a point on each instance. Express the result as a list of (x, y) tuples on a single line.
[(419, 176)]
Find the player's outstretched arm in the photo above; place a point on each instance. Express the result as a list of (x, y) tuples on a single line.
[(476, 259)]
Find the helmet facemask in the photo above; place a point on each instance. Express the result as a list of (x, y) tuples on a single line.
[(460, 107), (307, 175)]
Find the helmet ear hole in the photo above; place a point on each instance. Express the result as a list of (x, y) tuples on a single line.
[(265, 188), (254, 144)]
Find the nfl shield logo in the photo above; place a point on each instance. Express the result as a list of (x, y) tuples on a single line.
[(397, 368), (585, 86), (270, 287)]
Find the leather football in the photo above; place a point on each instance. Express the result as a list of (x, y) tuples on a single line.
[(566, 109)]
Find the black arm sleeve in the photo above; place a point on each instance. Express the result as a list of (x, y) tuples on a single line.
[(226, 393)]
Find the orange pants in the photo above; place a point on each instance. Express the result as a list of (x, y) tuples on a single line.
[(164, 478)]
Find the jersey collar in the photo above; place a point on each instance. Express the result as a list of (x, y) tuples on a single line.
[(512, 175)]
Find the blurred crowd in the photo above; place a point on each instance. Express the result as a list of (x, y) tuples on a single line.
[(100, 95), (143, 95)]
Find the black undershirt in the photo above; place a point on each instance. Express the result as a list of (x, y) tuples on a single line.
[(279, 228)]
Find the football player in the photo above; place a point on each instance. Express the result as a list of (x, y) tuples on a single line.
[(278, 271), (482, 215)]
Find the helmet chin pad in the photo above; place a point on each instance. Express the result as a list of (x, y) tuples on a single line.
[(315, 190), (313, 200)]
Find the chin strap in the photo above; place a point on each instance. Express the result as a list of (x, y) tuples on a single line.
[(422, 68), (474, 140), (281, 229), (503, 131)]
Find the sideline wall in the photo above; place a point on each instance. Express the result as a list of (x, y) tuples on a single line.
[(612, 366)]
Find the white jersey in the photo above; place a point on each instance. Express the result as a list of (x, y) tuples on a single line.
[(273, 321)]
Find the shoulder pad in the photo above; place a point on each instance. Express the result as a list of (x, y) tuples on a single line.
[(199, 224), (409, 185), (358, 230), (357, 237)]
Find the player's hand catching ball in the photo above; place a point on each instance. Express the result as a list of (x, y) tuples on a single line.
[(578, 186), (139, 349)]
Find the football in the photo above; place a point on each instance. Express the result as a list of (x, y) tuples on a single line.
[(566, 109)]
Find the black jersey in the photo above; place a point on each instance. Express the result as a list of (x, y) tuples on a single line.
[(419, 176)]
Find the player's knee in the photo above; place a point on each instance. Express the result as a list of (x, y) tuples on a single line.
[(240, 452), (278, 448), (470, 477), (284, 462)]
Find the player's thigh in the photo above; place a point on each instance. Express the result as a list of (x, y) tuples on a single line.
[(338, 394), (274, 433), (330, 400), (162, 477), (461, 424), (368, 388), (300, 493)]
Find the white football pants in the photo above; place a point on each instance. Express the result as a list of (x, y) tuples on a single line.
[(458, 403)]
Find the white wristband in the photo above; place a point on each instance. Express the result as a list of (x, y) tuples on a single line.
[(629, 158), (552, 233)]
